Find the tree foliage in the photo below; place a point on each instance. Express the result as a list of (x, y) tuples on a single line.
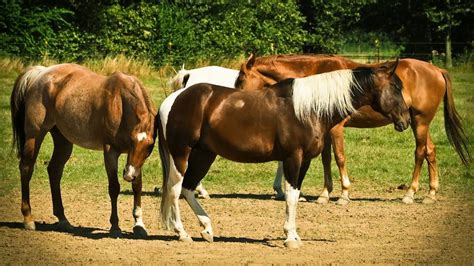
[(173, 32)]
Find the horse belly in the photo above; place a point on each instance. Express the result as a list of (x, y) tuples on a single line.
[(241, 147), (81, 125)]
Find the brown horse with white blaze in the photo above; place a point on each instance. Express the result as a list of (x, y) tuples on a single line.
[(285, 122), (425, 86), (77, 106)]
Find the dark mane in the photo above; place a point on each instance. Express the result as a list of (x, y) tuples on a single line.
[(363, 76)]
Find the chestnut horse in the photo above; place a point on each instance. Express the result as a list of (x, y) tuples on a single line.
[(285, 122), (425, 86), (77, 106)]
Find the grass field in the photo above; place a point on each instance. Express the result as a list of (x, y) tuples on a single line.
[(379, 159)]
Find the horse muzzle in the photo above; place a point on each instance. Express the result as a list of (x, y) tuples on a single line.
[(130, 173), (401, 125)]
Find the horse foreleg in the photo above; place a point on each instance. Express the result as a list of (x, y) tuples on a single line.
[(326, 160), (337, 134), (111, 165), (199, 163), (432, 171), (292, 168), (280, 195), (27, 163), (139, 227), (61, 154)]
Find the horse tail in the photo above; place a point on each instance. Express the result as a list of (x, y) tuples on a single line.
[(165, 207), (17, 106), (452, 123), (179, 80)]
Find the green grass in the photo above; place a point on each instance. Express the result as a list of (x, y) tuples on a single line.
[(378, 159)]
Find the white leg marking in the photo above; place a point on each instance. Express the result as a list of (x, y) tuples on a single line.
[(175, 182), (202, 216), (138, 216), (292, 196)]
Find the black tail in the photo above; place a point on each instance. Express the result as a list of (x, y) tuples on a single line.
[(452, 124)]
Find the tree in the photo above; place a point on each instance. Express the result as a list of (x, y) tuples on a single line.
[(445, 16)]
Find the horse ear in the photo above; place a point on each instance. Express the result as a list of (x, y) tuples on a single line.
[(391, 69), (250, 61)]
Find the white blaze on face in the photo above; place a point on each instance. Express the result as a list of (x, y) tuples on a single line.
[(141, 136)]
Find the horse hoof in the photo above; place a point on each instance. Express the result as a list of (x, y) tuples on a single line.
[(157, 191), (30, 226), (322, 200), (64, 226), (115, 233), (407, 200), (207, 236), (279, 196), (204, 196), (429, 200), (139, 231), (292, 244), (302, 199), (343, 201), (186, 239)]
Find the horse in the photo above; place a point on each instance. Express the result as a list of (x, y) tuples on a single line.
[(216, 75), (209, 74), (425, 86), (77, 106), (284, 122)]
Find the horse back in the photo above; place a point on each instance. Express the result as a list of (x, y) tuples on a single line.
[(423, 85)]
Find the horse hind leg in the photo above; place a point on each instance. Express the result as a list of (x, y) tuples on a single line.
[(421, 135), (170, 211), (26, 166), (61, 154), (199, 163), (432, 171)]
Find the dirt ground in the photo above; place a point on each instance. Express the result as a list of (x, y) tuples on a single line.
[(373, 228)]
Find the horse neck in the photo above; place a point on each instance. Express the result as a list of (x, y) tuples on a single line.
[(297, 66)]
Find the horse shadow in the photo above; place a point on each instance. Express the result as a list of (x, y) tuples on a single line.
[(84, 231)]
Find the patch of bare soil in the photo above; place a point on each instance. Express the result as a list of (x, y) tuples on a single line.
[(248, 229)]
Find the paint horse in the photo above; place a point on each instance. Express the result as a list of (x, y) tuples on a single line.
[(285, 122), (77, 106), (425, 86), (216, 75)]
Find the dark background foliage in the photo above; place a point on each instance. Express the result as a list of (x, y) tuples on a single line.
[(172, 32)]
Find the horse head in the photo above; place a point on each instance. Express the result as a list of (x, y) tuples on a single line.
[(250, 78), (387, 95), (132, 120)]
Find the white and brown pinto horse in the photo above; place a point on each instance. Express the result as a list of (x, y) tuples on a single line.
[(77, 106), (215, 75), (285, 122), (425, 86)]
